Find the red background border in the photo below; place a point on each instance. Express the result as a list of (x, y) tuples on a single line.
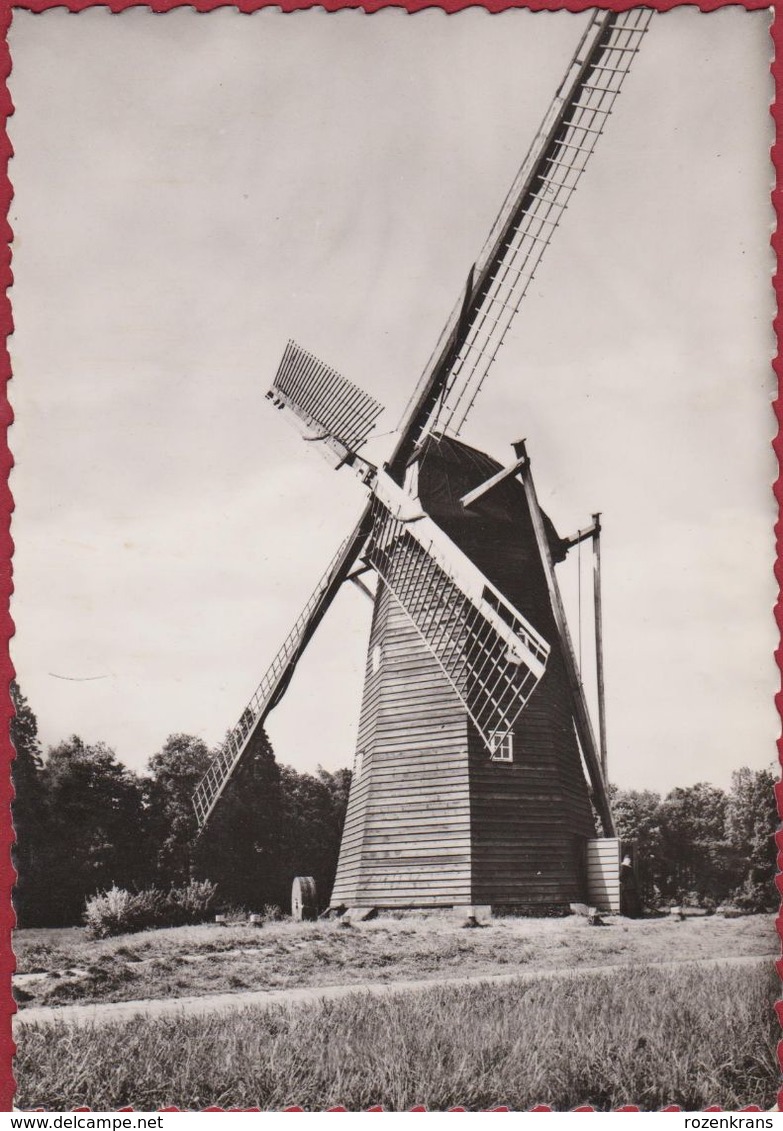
[(7, 1007)]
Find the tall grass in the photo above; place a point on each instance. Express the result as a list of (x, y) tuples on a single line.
[(645, 1036)]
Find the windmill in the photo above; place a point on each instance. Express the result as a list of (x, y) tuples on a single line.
[(476, 761)]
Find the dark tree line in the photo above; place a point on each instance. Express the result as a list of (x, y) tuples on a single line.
[(85, 822), (705, 846)]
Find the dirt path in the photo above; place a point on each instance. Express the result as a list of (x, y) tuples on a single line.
[(221, 1003)]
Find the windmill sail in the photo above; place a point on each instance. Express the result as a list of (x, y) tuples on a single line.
[(278, 675), (340, 414), (491, 655), (525, 226)]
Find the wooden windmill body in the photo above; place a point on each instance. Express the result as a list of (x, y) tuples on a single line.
[(432, 819), (476, 762)]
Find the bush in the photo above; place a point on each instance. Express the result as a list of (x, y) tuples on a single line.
[(754, 897), (234, 914), (119, 912), (272, 913), (690, 899)]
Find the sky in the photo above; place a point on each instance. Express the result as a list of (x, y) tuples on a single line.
[(191, 191)]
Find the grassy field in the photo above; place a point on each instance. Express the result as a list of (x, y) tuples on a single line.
[(67, 967), (692, 1037)]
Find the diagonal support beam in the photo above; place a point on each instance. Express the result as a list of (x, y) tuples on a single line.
[(594, 533), (599, 642), (357, 581), (582, 535), (581, 715), (491, 483)]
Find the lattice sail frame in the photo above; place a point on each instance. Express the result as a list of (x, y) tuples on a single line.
[(490, 653), (341, 414), (575, 121), (215, 780)]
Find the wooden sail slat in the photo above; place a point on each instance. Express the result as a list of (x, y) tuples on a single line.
[(323, 399), (477, 650)]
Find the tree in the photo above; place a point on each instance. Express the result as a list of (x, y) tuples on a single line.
[(240, 848), (96, 826), (175, 771), (637, 816), (339, 785), (270, 825), (697, 856), (313, 813), (29, 814), (751, 821)]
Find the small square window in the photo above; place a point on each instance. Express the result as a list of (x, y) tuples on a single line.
[(501, 745)]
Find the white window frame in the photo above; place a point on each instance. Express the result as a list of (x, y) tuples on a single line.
[(501, 746)]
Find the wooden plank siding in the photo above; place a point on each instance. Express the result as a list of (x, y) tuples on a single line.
[(432, 820), (407, 830), (531, 817)]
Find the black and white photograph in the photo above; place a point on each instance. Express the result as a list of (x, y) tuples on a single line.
[(393, 559)]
